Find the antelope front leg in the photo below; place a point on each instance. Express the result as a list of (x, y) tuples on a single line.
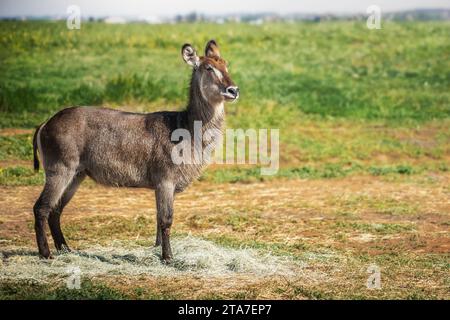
[(164, 205), (158, 233)]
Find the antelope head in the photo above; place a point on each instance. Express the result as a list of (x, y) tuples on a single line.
[(210, 73)]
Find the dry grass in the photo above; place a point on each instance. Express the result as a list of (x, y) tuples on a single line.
[(323, 233), (193, 256)]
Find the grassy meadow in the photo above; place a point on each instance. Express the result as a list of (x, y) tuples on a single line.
[(364, 120)]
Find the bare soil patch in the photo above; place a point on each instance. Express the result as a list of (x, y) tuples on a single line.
[(326, 232)]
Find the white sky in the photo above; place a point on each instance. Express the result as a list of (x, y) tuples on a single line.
[(171, 7)]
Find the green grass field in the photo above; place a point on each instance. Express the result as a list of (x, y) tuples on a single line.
[(339, 92), (364, 120)]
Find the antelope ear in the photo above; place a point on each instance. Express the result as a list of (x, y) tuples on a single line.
[(189, 55), (212, 49)]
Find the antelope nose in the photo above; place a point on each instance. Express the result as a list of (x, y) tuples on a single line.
[(233, 91)]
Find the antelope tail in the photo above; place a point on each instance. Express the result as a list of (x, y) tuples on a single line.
[(35, 148)]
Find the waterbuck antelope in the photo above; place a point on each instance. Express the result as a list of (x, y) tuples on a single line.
[(126, 149)]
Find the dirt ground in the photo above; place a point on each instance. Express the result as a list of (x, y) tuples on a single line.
[(338, 227)]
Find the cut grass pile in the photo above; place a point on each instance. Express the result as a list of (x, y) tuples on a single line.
[(192, 256)]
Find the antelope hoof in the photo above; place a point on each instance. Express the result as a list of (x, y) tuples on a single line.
[(167, 260)]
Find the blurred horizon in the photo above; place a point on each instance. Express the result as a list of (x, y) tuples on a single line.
[(103, 8)]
